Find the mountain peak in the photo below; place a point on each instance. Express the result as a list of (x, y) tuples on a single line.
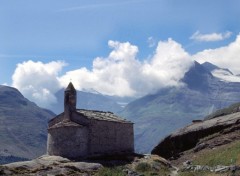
[(209, 66), (197, 78)]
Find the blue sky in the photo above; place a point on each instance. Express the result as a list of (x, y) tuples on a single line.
[(78, 31)]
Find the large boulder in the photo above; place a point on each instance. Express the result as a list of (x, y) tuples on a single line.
[(188, 137), (49, 165)]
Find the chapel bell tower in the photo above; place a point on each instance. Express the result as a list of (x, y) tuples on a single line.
[(70, 101)]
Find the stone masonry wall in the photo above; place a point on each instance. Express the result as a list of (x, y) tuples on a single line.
[(70, 142), (110, 137)]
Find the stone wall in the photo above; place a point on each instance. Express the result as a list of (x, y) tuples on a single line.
[(85, 137), (108, 137), (70, 142)]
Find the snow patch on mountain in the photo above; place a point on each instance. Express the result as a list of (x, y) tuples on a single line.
[(225, 75)]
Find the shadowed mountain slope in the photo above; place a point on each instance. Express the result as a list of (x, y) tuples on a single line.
[(23, 126)]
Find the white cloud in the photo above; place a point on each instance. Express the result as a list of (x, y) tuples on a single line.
[(210, 37), (120, 73), (109, 75), (38, 81), (225, 75), (167, 67), (224, 57)]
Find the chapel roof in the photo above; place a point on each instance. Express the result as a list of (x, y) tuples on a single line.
[(101, 115), (59, 120), (65, 124)]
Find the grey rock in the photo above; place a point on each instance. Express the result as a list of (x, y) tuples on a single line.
[(216, 169), (188, 137), (129, 172), (49, 165), (187, 163), (83, 166), (44, 160), (221, 169), (200, 147)]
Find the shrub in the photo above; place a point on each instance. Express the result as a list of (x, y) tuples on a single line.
[(143, 167), (115, 171)]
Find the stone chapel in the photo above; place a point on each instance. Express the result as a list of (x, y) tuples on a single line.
[(80, 133)]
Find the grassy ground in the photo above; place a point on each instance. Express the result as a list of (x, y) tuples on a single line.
[(115, 171), (150, 166), (224, 155), (204, 174), (152, 169)]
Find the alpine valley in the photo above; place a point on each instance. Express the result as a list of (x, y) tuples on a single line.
[(205, 88)]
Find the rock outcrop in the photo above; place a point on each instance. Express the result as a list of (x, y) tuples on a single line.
[(49, 165), (199, 135), (135, 165)]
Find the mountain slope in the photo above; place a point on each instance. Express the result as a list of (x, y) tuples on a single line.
[(23, 126), (159, 114), (87, 100)]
